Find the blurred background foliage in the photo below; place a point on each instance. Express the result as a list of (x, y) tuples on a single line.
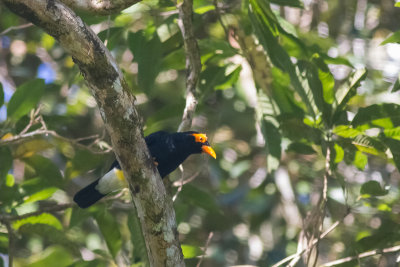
[(291, 92)]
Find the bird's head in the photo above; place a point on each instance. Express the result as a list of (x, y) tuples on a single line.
[(200, 144)]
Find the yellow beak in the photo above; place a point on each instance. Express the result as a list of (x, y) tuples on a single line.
[(209, 151)]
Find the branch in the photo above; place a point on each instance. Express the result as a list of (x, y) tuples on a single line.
[(313, 243), (9, 218), (193, 63), (363, 255), (100, 7), (75, 142), (121, 119)]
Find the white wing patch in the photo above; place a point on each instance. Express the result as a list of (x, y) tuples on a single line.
[(111, 181)]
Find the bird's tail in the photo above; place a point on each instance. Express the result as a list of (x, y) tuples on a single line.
[(88, 195), (111, 181)]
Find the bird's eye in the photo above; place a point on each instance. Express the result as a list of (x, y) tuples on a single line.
[(201, 139)]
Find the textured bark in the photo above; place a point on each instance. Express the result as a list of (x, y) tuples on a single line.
[(123, 123), (193, 62)]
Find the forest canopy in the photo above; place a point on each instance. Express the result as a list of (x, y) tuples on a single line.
[(298, 98)]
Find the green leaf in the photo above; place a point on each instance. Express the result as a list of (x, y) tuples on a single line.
[(265, 26), (339, 152), (397, 4), (52, 256), (301, 148), (109, 228), (190, 251), (46, 169), (372, 188), (369, 145), (1, 95), (348, 90), (114, 35), (148, 55), (215, 77), (292, 3), (199, 198), (93, 263), (25, 98), (44, 218), (396, 85), (328, 84), (6, 160), (272, 139), (375, 113), (230, 79), (394, 146), (41, 195), (346, 131), (394, 38), (360, 160)]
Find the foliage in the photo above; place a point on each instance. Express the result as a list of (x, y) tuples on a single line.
[(279, 97)]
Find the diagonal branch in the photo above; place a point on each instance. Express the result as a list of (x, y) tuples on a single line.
[(193, 63), (363, 255), (121, 119)]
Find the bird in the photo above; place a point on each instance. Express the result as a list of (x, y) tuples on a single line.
[(168, 151)]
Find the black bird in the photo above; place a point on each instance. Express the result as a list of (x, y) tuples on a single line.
[(168, 150)]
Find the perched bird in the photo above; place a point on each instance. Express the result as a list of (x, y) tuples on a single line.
[(168, 150)]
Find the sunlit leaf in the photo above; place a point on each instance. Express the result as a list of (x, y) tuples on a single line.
[(369, 145), (373, 188), (110, 230), (41, 195), (377, 111), (339, 153), (292, 3), (53, 256), (346, 131), (360, 160), (348, 90), (6, 160), (92, 263), (44, 218), (394, 38), (190, 251), (31, 147), (204, 9), (25, 98)]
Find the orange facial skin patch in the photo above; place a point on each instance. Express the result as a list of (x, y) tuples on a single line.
[(200, 138)]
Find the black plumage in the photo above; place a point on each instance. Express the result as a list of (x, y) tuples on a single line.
[(168, 150)]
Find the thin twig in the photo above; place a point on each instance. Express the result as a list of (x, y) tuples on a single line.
[(19, 27), (363, 255), (193, 63), (205, 248), (313, 243), (21, 138), (9, 218), (182, 182)]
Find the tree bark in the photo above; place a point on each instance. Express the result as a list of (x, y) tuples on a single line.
[(122, 121)]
